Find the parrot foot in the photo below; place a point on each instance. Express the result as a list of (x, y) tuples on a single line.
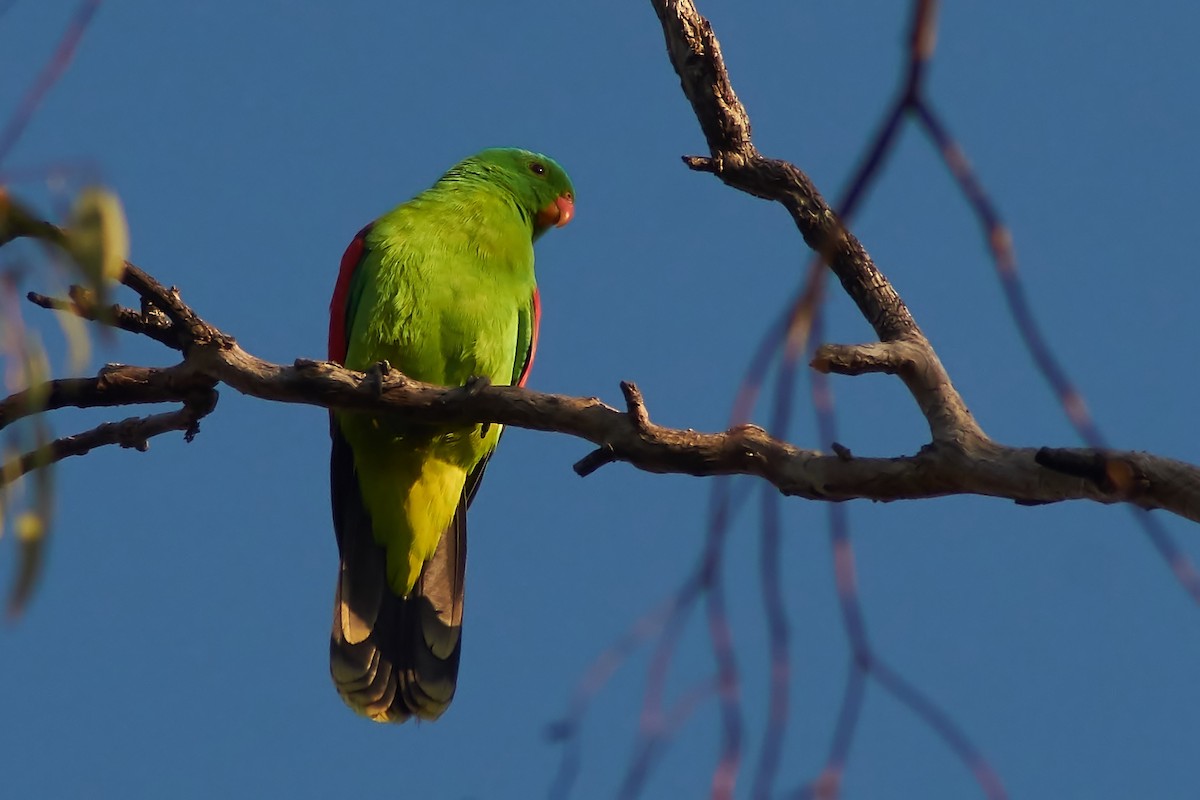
[(375, 375), (474, 385)]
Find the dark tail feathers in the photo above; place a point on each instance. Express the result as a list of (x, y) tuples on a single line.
[(391, 657)]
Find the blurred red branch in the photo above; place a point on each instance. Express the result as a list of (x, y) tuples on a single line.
[(50, 74)]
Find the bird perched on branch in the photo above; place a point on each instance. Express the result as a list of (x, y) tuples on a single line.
[(442, 287)]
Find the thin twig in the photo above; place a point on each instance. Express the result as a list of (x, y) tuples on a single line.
[(134, 433), (153, 326), (115, 385)]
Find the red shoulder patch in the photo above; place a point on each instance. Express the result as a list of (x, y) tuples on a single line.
[(341, 293), (533, 337)]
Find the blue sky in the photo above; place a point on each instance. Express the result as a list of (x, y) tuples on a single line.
[(178, 643)]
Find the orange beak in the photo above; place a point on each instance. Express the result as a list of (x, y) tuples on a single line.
[(558, 213)]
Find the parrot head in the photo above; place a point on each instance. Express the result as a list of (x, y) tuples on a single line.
[(539, 185)]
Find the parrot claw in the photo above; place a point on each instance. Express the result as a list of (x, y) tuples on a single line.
[(376, 374), (475, 384)]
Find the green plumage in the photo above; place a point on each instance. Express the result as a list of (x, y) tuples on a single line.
[(443, 289)]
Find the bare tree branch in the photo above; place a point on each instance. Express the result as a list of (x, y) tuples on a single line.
[(976, 466), (115, 385), (696, 56), (134, 433), (83, 304), (961, 459)]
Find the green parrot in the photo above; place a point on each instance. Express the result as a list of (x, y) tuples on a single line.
[(442, 287)]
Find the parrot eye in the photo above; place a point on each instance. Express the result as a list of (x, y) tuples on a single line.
[(537, 168)]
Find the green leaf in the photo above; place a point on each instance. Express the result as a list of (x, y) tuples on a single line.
[(98, 235)]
